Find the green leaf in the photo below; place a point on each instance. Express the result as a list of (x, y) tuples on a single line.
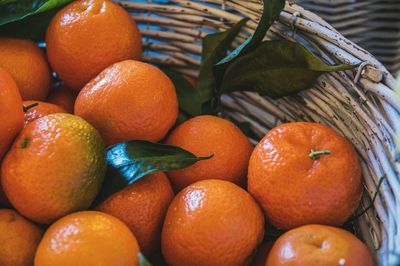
[(271, 12), (142, 260), (137, 158), (4, 2), (215, 59), (129, 161), (215, 47), (16, 10), (277, 69), (32, 27), (188, 97)]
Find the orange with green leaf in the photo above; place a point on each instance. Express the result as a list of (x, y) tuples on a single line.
[(205, 135), (299, 173)]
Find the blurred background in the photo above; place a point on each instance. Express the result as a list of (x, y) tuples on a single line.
[(372, 24)]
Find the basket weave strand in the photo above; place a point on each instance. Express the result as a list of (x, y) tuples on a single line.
[(373, 24), (360, 104)]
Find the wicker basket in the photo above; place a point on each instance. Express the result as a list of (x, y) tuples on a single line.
[(372, 24), (359, 104)]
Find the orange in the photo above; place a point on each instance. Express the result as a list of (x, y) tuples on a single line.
[(129, 100), (319, 245), (142, 206), (27, 65), (36, 109), (11, 114), (205, 135), (62, 97), (88, 238), (87, 36), (262, 253), (212, 222), (56, 166), (295, 189), (19, 239)]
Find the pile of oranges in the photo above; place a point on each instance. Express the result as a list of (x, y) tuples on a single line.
[(302, 177)]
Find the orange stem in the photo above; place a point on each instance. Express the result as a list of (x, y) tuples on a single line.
[(314, 155), (27, 108)]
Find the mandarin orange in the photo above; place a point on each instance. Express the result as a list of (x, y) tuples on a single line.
[(27, 65), (205, 135), (319, 245), (304, 173), (87, 36), (19, 239), (88, 238), (129, 100), (11, 113), (63, 97), (36, 109), (212, 222), (142, 206), (56, 166)]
